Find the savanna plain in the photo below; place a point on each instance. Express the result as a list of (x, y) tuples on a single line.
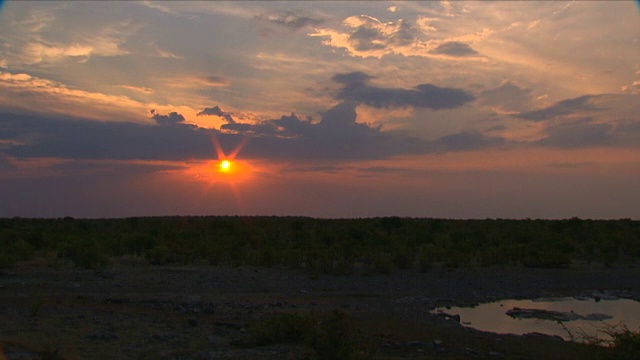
[(301, 288)]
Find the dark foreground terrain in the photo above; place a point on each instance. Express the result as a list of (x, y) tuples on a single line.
[(132, 310)]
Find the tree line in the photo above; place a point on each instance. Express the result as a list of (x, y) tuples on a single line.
[(321, 246)]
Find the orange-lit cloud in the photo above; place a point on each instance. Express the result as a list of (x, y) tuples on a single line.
[(49, 96)]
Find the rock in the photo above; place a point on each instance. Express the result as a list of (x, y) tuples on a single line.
[(446, 316), (597, 317), (519, 313)]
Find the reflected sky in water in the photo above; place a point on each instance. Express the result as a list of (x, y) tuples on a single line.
[(492, 316)]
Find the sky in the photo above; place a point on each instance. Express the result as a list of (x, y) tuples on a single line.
[(444, 109)]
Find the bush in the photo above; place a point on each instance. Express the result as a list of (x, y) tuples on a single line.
[(85, 254), (283, 328), (159, 255), (623, 344), (333, 338)]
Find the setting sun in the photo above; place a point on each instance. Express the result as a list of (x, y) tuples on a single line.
[(225, 165)]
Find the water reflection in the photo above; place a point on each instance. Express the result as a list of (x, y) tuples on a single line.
[(492, 316)]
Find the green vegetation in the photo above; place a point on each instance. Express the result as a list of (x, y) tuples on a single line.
[(321, 246), (333, 336)]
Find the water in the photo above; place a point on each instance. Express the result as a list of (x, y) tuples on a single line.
[(492, 316)]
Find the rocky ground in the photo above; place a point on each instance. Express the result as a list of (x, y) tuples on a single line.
[(199, 312)]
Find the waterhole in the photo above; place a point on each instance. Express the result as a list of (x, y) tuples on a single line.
[(570, 318)]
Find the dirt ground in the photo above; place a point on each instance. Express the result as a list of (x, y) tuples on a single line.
[(201, 312)]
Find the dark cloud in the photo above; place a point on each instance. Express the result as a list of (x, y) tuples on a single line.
[(337, 136), (365, 39), (167, 120), (214, 80), (292, 126), (356, 78), (454, 48), (404, 35), (39, 136), (291, 20), (216, 111), (562, 108), (370, 34), (357, 89), (583, 133), (260, 129)]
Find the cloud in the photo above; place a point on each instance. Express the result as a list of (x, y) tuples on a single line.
[(291, 20), (52, 137), (141, 89), (189, 82), (366, 36), (49, 96), (214, 80), (33, 44), (561, 108), (634, 88), (356, 88), (454, 48), (337, 136), (582, 133), (508, 97), (216, 111), (167, 120)]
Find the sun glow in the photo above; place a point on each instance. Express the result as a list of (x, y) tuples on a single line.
[(224, 166)]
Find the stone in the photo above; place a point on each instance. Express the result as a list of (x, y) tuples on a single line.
[(519, 313)]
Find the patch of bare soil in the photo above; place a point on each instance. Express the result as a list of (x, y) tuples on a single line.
[(200, 312)]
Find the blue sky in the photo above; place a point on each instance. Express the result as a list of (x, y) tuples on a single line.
[(329, 109)]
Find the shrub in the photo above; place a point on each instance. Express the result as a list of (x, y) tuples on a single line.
[(283, 328), (332, 338), (159, 255), (623, 343), (335, 337), (85, 254)]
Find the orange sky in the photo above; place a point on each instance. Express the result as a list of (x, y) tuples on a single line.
[(330, 109)]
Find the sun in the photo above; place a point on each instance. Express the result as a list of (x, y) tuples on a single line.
[(225, 166)]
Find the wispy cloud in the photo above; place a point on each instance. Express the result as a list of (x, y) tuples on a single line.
[(141, 89), (291, 19), (53, 97), (561, 108)]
